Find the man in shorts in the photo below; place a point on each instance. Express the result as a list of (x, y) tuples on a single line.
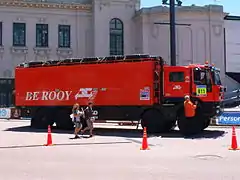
[(89, 119)]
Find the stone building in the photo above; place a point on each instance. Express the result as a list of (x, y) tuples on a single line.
[(33, 30), (232, 55)]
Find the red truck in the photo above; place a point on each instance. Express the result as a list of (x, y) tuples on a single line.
[(130, 87)]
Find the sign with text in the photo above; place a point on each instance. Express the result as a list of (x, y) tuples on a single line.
[(5, 113), (48, 95), (201, 90), (229, 118)]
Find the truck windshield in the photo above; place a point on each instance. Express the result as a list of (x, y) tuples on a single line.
[(202, 77), (216, 77)]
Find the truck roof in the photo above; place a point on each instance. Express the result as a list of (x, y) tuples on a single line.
[(206, 65), (92, 60), (102, 60)]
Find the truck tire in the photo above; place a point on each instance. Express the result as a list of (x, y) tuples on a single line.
[(206, 122), (63, 120), (155, 122), (190, 126), (42, 118), (171, 124)]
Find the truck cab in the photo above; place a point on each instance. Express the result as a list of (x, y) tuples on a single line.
[(201, 82)]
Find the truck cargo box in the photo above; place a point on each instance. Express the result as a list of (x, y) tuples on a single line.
[(105, 84)]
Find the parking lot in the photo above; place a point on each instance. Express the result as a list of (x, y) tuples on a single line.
[(115, 154)]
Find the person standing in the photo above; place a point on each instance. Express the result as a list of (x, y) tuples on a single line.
[(189, 107), (77, 114), (89, 119)]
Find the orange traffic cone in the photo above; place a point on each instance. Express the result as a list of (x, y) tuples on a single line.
[(49, 137), (144, 141), (234, 145)]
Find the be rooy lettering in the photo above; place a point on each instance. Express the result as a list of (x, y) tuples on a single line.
[(48, 96)]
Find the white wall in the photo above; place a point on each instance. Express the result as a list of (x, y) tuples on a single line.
[(232, 39), (203, 40), (103, 12), (12, 56)]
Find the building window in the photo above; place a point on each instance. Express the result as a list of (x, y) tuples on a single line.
[(176, 76), (19, 34), (116, 37), (64, 38), (0, 33), (42, 35)]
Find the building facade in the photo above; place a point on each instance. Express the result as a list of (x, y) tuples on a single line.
[(35, 30), (232, 43), (232, 55), (199, 34)]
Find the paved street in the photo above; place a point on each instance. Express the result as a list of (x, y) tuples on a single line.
[(115, 155)]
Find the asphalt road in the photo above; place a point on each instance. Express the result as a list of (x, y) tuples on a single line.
[(115, 155)]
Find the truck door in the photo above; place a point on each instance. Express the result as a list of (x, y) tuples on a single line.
[(202, 86), (176, 82)]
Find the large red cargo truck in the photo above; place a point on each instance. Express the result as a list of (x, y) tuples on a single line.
[(130, 87)]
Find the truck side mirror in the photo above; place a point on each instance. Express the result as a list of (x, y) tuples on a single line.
[(225, 89)]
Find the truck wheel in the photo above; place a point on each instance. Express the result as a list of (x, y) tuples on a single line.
[(170, 125), (155, 122), (206, 122), (42, 118), (182, 124), (189, 126), (63, 120)]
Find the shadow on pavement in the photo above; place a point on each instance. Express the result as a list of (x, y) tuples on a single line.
[(206, 134), (65, 144), (133, 133), (128, 133)]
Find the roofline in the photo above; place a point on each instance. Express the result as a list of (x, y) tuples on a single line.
[(232, 18), (193, 8)]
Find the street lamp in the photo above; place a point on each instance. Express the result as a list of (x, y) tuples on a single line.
[(172, 28)]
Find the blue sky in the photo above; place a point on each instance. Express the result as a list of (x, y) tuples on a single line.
[(230, 6)]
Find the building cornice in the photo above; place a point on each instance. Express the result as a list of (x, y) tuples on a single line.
[(184, 9), (42, 5)]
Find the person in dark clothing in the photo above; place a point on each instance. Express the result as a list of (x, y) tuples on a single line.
[(89, 119)]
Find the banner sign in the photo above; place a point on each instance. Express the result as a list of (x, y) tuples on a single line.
[(5, 113), (229, 118)]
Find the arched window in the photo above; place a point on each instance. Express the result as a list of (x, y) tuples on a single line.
[(116, 37)]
